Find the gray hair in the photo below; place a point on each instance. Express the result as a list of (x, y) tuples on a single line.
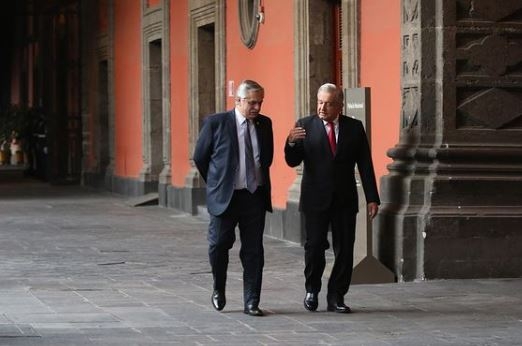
[(333, 89), (246, 86)]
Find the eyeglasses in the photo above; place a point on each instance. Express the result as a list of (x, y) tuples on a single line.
[(252, 102)]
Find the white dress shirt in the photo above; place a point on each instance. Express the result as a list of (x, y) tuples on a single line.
[(240, 179), (336, 128)]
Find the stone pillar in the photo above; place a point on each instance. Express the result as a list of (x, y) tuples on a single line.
[(452, 201)]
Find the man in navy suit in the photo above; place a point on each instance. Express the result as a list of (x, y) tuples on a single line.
[(330, 145), (233, 154)]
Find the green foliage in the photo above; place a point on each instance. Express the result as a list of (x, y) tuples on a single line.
[(15, 120)]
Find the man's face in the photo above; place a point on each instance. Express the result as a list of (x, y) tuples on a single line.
[(328, 108), (250, 106)]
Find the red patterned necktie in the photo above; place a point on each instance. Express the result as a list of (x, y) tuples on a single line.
[(331, 137)]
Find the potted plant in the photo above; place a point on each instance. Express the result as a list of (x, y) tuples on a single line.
[(14, 126), (5, 151)]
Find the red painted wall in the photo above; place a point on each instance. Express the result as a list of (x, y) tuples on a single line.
[(380, 70), (127, 88), (152, 3), (270, 63), (179, 48)]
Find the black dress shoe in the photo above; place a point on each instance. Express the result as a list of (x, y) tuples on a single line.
[(339, 307), (253, 310), (218, 300), (310, 301)]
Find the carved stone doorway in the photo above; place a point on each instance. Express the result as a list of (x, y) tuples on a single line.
[(207, 87), (155, 109), (103, 111)]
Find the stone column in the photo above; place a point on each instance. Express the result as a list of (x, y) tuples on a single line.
[(109, 171), (452, 201)]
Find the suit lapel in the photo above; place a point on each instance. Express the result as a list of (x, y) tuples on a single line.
[(341, 134), (232, 128), (319, 128), (259, 133)]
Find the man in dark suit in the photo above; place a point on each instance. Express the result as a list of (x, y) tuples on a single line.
[(233, 154), (330, 145)]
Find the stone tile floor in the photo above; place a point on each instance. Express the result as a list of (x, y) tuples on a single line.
[(80, 267)]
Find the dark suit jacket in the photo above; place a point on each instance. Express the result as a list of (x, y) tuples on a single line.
[(326, 178), (217, 158)]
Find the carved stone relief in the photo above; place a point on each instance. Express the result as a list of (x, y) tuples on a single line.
[(488, 70), (410, 107), (493, 108), (410, 48), (410, 63), (487, 10), (410, 76), (492, 55), (410, 11)]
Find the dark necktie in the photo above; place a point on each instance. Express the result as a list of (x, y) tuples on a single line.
[(331, 137), (250, 166)]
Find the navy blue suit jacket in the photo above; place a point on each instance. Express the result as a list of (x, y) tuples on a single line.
[(217, 158), (327, 178)]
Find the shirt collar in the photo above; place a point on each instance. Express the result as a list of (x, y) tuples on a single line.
[(240, 119), (335, 121)]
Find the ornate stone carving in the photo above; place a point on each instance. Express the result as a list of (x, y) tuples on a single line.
[(495, 108), (410, 76), (410, 63), (410, 49), (488, 10), (410, 109), (410, 11), (506, 53), (488, 65), (455, 178)]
